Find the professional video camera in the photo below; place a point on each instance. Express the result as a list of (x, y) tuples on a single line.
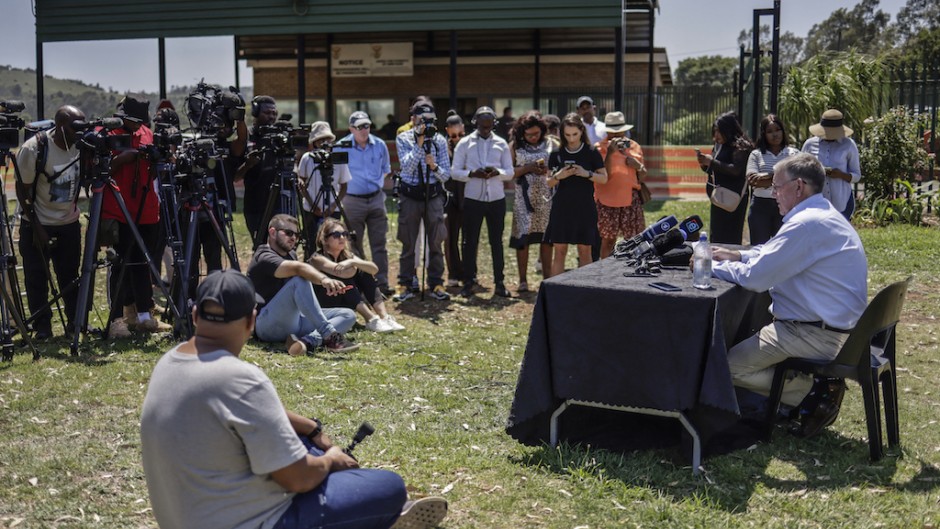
[(10, 124), (282, 138), (166, 137), (95, 138), (210, 108), (194, 158), (324, 156)]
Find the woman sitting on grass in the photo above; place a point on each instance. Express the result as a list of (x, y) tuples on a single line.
[(335, 259)]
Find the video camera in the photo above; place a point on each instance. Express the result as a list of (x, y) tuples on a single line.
[(430, 125), (95, 137), (165, 138), (282, 138), (210, 108), (10, 124), (194, 158)]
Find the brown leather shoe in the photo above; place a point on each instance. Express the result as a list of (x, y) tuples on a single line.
[(825, 412)]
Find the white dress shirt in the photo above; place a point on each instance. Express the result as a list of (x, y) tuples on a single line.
[(596, 131), (815, 267), (474, 152)]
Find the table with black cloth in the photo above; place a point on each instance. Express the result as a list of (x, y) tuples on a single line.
[(600, 337)]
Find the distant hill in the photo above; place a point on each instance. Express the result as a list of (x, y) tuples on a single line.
[(95, 101)]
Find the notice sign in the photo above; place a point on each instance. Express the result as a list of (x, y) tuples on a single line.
[(373, 60)]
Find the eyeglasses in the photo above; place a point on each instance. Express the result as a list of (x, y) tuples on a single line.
[(289, 233), (337, 234), (367, 126), (777, 187)]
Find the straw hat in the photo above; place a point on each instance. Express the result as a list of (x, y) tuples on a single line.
[(831, 126)]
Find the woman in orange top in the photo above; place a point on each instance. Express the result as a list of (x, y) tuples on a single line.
[(619, 207)]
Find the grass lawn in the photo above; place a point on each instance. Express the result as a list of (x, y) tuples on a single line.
[(439, 394)]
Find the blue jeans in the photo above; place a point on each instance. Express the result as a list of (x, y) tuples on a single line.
[(349, 499), (295, 310)]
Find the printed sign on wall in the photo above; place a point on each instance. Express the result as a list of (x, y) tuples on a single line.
[(373, 60)]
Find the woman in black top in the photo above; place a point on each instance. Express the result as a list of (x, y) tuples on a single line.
[(726, 167), (573, 218)]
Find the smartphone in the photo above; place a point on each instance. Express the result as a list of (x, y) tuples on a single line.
[(571, 163), (667, 287)]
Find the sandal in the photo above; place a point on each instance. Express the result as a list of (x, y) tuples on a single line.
[(523, 287)]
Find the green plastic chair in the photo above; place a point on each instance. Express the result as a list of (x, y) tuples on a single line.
[(867, 357)]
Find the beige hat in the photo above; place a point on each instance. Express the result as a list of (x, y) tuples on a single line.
[(615, 122), (320, 130), (831, 127)]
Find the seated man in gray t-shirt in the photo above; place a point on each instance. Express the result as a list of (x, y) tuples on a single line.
[(220, 450)]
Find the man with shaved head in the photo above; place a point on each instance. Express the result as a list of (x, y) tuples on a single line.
[(47, 190)]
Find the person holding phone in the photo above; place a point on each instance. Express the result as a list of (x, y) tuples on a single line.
[(726, 166), (773, 145), (619, 206), (575, 168), (832, 146)]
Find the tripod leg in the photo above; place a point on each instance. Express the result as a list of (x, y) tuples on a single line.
[(220, 235), (182, 324), (88, 266), (262, 235)]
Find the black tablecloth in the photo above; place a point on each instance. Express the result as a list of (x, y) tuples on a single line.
[(599, 336)]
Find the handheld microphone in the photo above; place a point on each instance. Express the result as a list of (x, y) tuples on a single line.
[(668, 241), (12, 106), (657, 228), (691, 226)]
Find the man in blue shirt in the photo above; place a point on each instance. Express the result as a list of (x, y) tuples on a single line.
[(425, 166), (369, 166), (816, 271)]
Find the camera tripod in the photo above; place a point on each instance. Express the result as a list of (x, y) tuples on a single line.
[(99, 183), (199, 206), (282, 198), (326, 195), (11, 304)]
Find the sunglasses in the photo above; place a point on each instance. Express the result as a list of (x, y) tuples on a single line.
[(364, 127), (289, 233), (337, 234)]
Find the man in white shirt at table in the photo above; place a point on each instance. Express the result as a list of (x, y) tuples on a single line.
[(816, 271)]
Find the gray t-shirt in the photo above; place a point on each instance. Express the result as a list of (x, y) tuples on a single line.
[(212, 430), (55, 200)]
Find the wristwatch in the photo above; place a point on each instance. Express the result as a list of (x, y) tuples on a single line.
[(316, 431)]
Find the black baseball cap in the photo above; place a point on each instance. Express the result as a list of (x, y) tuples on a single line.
[(232, 290), (133, 109), (422, 107)]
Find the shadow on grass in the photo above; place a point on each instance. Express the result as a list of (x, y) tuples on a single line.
[(430, 309), (827, 463)]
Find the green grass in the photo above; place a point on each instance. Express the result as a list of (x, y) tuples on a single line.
[(439, 394)]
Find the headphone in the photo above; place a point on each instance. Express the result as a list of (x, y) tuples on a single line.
[(486, 111), (255, 107)]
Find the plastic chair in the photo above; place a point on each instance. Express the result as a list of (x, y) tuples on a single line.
[(867, 357)]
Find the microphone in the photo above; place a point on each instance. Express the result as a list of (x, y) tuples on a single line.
[(12, 106), (657, 228), (668, 241), (690, 226)]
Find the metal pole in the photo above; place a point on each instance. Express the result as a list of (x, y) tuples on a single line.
[(453, 69), (330, 111), (161, 65), (775, 63), (238, 83), (649, 83), (537, 76), (618, 66), (301, 79), (758, 82), (40, 90)]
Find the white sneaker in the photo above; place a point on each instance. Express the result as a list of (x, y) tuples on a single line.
[(452, 283), (394, 325), (377, 324)]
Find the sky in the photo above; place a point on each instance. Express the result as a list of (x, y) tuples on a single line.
[(686, 28)]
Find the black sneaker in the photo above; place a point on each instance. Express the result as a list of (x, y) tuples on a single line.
[(337, 343), (501, 291)]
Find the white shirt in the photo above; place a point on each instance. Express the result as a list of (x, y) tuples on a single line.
[(842, 155), (309, 170), (764, 162), (474, 152), (815, 267), (596, 131)]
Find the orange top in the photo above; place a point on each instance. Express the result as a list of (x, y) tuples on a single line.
[(621, 179)]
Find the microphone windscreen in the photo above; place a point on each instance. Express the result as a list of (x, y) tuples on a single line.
[(691, 226), (670, 240), (112, 123), (659, 227)]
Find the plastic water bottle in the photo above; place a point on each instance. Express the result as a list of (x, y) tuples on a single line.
[(702, 263)]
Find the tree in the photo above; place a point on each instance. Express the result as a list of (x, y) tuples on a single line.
[(864, 28), (916, 17), (711, 70), (791, 46)]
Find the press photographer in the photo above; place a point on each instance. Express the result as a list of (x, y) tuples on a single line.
[(322, 178), (47, 189)]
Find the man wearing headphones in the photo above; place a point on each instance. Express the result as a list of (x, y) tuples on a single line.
[(260, 167), (482, 160)]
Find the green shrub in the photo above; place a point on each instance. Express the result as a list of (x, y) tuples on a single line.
[(892, 150)]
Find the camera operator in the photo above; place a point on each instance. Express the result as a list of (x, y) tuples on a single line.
[(259, 168), (421, 198), (133, 177), (311, 179), (47, 192), (369, 165)]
